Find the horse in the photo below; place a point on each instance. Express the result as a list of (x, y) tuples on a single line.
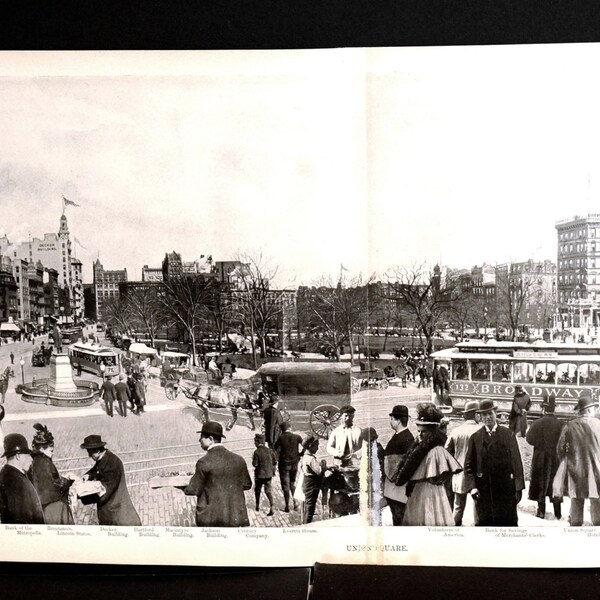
[(8, 372)]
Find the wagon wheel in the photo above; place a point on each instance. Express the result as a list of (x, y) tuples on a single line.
[(355, 385), (324, 419), (171, 390), (383, 384)]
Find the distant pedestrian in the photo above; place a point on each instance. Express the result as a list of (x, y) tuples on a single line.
[(102, 371), (263, 461), (19, 502), (458, 444), (517, 420), (123, 395), (108, 393), (273, 421), (288, 447), (52, 488), (543, 435), (114, 506), (12, 358), (219, 482), (139, 393)]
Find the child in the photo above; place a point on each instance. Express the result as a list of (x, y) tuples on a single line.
[(312, 472), (263, 461)]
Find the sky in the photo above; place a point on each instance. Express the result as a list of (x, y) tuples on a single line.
[(370, 158)]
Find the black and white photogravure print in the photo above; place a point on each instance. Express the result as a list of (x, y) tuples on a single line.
[(294, 306)]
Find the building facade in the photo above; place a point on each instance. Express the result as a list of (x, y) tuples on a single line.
[(578, 258), (152, 274), (106, 285)]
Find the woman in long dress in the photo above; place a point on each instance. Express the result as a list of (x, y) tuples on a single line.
[(52, 488), (427, 471)]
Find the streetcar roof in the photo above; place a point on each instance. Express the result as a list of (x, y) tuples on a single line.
[(539, 351), (92, 348), (280, 368)]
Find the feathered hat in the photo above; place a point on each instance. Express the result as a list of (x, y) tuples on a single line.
[(42, 437)]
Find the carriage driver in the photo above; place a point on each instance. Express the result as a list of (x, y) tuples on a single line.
[(345, 440)]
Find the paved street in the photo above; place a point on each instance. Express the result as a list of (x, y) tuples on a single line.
[(164, 440)]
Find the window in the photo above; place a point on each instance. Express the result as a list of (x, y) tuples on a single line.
[(566, 373), (460, 370), (480, 370), (545, 373), (589, 374), (501, 370), (523, 372)]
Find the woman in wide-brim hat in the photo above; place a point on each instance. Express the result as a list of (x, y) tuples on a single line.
[(428, 472), (52, 488)]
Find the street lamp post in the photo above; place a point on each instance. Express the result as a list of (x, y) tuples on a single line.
[(22, 363)]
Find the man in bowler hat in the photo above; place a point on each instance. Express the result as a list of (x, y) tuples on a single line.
[(114, 506), (458, 444), (220, 480), (393, 457), (273, 421), (579, 451), (19, 502), (495, 471), (543, 435)]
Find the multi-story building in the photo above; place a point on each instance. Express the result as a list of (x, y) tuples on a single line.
[(89, 302), (53, 251), (172, 267), (37, 301), (579, 271), (77, 288), (152, 274), (8, 292), (106, 285), (51, 293)]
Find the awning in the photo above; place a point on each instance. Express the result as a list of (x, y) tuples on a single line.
[(9, 327), (138, 348), (169, 354)]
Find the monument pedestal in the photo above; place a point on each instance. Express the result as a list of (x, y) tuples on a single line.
[(61, 377)]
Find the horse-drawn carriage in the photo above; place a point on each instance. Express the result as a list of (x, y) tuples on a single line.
[(369, 378), (315, 390)]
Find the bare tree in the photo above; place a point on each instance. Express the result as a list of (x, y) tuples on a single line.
[(221, 311), (116, 314), (337, 311), (513, 294), (185, 301), (257, 305), (427, 296), (146, 310)]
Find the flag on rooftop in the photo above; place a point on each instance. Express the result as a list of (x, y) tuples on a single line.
[(78, 242), (67, 202)]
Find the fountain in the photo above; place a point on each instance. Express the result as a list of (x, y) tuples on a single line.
[(60, 389)]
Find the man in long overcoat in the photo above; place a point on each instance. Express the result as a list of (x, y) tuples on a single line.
[(19, 502), (458, 444), (114, 506), (543, 435), (273, 421), (219, 482), (517, 420), (494, 467), (578, 475)]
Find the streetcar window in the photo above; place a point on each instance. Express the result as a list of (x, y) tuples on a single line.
[(480, 370), (523, 372), (545, 373), (566, 373), (501, 370), (589, 374), (460, 370)]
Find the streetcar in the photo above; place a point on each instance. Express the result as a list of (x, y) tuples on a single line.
[(492, 369), (90, 357)]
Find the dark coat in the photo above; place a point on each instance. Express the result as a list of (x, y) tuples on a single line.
[(220, 480), (264, 461), (19, 502), (108, 391), (494, 466), (123, 392), (115, 506), (47, 481), (517, 420), (543, 435), (273, 423), (288, 448)]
